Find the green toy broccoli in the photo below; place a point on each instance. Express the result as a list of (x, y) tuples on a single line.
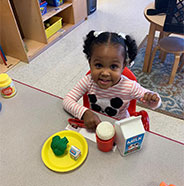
[(59, 145)]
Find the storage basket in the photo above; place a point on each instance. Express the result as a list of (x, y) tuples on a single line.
[(55, 25)]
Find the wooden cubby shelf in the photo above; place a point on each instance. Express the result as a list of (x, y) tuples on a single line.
[(51, 11), (22, 31)]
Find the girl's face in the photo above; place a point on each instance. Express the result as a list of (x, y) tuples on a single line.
[(106, 64)]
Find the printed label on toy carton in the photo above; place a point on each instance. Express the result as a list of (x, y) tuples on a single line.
[(133, 144)]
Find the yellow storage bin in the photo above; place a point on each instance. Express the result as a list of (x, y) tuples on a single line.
[(55, 25)]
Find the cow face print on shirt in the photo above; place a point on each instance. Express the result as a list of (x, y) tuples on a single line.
[(109, 107)]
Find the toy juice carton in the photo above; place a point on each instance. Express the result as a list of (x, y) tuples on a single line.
[(129, 135), (75, 153)]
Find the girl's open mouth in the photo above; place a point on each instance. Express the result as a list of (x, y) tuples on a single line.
[(104, 82)]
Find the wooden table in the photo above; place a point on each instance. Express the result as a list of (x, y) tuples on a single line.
[(156, 24), (31, 116)]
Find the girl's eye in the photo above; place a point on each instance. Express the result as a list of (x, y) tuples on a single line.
[(114, 67), (98, 65)]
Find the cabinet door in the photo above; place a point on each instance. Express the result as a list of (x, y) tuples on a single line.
[(80, 10)]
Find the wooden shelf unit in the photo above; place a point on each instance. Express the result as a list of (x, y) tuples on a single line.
[(51, 11), (22, 31)]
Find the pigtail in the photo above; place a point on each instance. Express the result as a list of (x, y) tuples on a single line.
[(88, 44), (132, 48)]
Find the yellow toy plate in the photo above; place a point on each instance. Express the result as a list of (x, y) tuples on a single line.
[(64, 163)]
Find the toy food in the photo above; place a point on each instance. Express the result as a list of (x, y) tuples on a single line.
[(105, 130), (59, 145), (105, 133), (75, 153), (7, 87), (164, 184)]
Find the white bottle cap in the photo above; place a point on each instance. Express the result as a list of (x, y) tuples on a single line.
[(105, 130)]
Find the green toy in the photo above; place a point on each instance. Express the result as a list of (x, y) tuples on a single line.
[(59, 145)]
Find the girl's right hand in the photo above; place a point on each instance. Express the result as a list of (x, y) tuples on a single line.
[(91, 120)]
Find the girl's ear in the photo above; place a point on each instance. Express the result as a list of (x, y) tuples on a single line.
[(89, 61)]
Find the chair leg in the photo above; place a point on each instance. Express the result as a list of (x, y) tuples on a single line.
[(182, 62), (174, 69), (152, 58), (162, 53), (163, 34)]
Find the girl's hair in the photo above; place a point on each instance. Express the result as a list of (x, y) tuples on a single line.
[(129, 45)]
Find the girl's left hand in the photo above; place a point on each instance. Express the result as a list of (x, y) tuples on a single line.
[(151, 99)]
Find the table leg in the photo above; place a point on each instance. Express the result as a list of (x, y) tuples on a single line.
[(161, 35), (151, 36)]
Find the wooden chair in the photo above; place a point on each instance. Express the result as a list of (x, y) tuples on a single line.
[(174, 45), (132, 106)]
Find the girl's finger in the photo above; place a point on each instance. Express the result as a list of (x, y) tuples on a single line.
[(154, 97), (145, 96)]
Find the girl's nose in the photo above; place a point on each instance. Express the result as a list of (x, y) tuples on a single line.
[(105, 72)]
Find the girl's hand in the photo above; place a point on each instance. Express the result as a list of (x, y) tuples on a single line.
[(151, 99), (91, 120)]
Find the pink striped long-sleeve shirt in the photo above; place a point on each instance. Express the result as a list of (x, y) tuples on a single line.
[(113, 101)]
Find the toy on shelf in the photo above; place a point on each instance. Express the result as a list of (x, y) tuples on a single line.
[(59, 145), (164, 184), (43, 7), (75, 153), (55, 2)]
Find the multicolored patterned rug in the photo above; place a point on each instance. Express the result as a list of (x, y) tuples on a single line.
[(172, 95)]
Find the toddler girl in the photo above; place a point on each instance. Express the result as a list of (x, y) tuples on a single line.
[(109, 92)]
